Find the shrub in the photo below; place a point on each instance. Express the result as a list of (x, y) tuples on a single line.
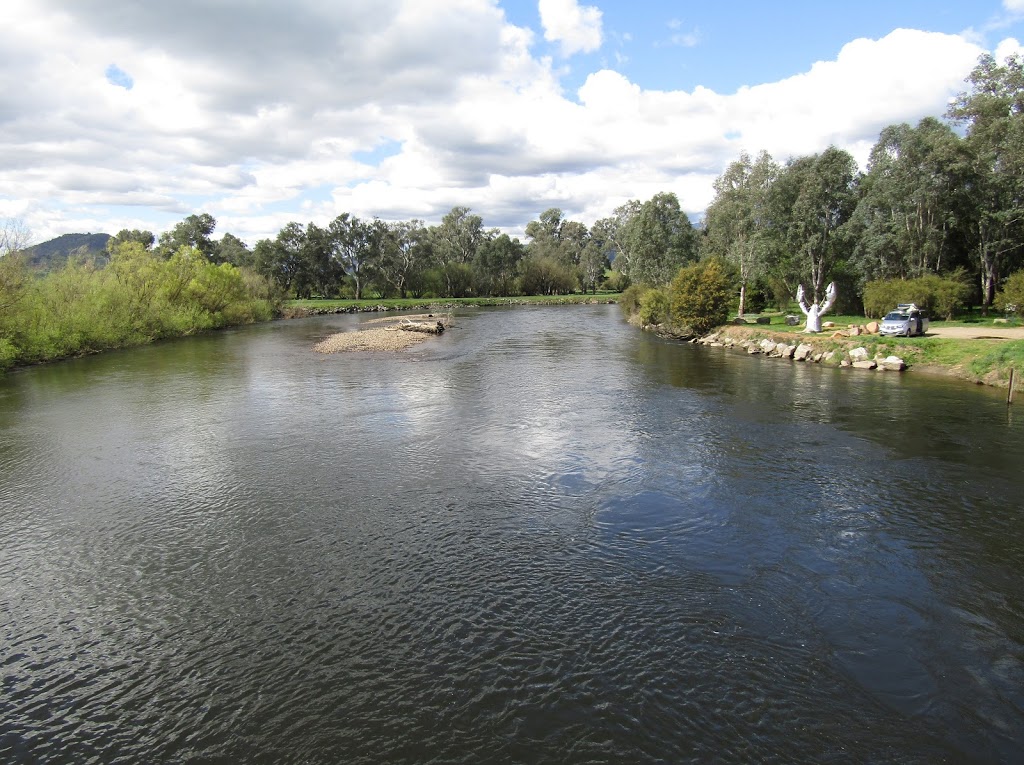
[(939, 295), (1011, 297), (653, 307), (699, 296), (629, 300)]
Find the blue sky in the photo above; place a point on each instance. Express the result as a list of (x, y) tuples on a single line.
[(133, 116)]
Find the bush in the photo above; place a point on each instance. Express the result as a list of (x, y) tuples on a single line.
[(653, 307), (1011, 297), (629, 300), (699, 296), (939, 295)]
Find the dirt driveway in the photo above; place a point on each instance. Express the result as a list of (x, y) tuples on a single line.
[(977, 333)]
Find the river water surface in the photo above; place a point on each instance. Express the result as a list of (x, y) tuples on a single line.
[(542, 537)]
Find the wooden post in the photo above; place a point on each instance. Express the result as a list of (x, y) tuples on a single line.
[(1009, 393)]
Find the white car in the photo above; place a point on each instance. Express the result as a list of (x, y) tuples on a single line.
[(906, 321)]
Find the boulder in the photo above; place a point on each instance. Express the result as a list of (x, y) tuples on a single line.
[(802, 352), (786, 351), (892, 363), (764, 319), (829, 356), (837, 335), (817, 357), (859, 354), (752, 349), (767, 346), (871, 327), (739, 320), (868, 364), (828, 324), (854, 331), (844, 363), (792, 321)]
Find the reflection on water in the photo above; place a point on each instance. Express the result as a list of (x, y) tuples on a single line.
[(543, 536)]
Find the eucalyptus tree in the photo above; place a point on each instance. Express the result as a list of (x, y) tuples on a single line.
[(910, 199), (497, 264), (403, 252), (283, 259), (661, 240), (351, 247), (230, 249), (738, 225), (455, 243), (811, 201), (612, 235), (144, 238), (993, 112)]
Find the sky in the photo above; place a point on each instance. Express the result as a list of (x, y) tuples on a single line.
[(138, 114)]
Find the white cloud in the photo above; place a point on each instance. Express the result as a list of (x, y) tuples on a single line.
[(261, 116), (577, 28), (1014, 6), (1008, 47)]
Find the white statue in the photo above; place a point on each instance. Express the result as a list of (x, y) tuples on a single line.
[(815, 311)]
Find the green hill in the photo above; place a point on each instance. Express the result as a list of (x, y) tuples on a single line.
[(55, 252)]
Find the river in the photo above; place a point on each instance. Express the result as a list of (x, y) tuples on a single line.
[(542, 537)]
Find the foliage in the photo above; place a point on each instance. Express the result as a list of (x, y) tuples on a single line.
[(654, 308), (699, 296), (940, 296), (1011, 297), (629, 300), (137, 298)]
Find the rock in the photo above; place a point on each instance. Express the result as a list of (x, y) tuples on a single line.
[(837, 335), (767, 346), (829, 356), (764, 319), (739, 320), (892, 363), (786, 351), (817, 357), (716, 345), (753, 349), (1000, 321), (859, 354), (827, 324), (853, 331), (868, 364), (802, 352), (792, 321), (844, 363), (871, 327)]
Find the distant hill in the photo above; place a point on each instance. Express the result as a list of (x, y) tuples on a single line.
[(55, 252)]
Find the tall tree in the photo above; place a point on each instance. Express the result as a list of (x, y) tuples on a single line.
[(993, 111), (661, 239), (612, 235), (910, 198), (737, 223), (812, 199), (194, 231), (350, 244), (455, 242), (404, 252)]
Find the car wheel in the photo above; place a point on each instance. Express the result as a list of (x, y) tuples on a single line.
[(908, 332)]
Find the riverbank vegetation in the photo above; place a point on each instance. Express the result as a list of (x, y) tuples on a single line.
[(936, 218), (135, 296)]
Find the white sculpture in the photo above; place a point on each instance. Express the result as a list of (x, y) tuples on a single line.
[(815, 311)]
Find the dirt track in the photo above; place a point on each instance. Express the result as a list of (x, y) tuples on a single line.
[(977, 333)]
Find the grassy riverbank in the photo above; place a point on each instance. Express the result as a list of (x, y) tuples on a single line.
[(981, 360)]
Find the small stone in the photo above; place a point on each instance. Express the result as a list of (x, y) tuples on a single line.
[(868, 364)]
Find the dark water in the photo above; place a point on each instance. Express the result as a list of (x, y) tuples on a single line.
[(543, 537)]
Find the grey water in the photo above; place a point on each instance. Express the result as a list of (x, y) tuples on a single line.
[(542, 537)]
